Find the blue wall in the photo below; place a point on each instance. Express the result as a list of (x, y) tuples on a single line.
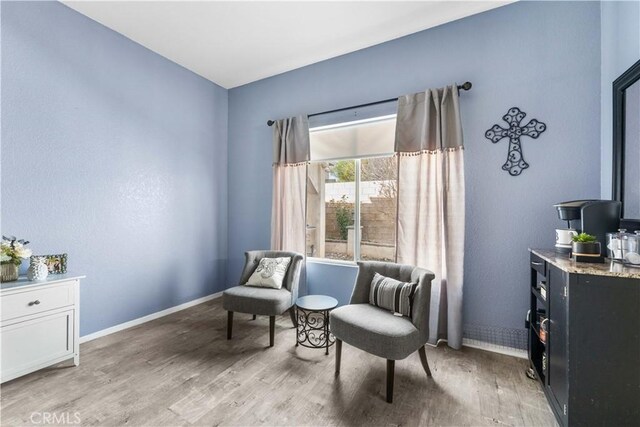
[(115, 155), (620, 34), (542, 57), (119, 157), (331, 279)]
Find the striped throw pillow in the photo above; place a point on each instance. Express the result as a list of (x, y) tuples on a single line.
[(392, 294)]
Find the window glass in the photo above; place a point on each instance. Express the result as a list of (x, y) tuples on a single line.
[(331, 209), (343, 191), (351, 191), (378, 190), (351, 140)]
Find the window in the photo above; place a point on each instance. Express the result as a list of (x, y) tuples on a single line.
[(351, 191)]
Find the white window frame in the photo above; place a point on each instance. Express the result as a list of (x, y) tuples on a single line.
[(358, 171)]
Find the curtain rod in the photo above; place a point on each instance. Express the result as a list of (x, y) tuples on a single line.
[(464, 86)]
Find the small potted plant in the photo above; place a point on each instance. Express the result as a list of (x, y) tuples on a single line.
[(585, 244), (12, 252)]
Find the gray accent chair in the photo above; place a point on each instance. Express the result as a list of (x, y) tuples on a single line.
[(263, 301), (378, 331)]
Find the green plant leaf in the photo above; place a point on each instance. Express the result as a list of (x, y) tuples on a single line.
[(584, 238)]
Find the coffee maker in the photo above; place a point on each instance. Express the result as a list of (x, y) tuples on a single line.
[(595, 217)]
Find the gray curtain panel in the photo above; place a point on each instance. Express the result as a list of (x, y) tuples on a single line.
[(291, 140), (288, 208), (431, 209), (429, 121)]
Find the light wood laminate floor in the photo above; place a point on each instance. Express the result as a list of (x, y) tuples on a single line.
[(181, 370)]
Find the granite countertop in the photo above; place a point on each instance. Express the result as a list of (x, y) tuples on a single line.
[(609, 268), (23, 282)]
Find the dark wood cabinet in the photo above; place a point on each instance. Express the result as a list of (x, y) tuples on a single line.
[(558, 381), (584, 339)]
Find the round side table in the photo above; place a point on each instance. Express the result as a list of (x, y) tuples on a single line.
[(312, 314)]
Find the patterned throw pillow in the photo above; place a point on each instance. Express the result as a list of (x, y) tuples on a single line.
[(392, 294), (269, 273)]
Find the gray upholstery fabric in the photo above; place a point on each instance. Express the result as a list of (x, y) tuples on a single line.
[(375, 330), (381, 333), (264, 301)]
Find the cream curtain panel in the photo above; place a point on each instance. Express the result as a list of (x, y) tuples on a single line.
[(431, 210), (290, 157)]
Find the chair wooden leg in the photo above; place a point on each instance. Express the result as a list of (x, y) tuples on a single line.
[(391, 364), (272, 329), (292, 314), (423, 359), (338, 355), (254, 317), (229, 324)]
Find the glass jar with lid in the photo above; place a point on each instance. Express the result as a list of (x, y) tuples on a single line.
[(631, 248), (616, 244)]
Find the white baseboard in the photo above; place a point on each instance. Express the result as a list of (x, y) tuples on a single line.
[(147, 318), (135, 322), (522, 354)]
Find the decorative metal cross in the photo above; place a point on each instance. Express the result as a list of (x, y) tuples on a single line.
[(515, 163)]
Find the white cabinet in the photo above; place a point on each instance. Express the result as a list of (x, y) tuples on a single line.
[(39, 324)]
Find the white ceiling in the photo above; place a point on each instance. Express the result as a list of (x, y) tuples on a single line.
[(236, 42)]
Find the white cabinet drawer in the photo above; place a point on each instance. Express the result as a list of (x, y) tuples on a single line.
[(37, 300), (36, 343)]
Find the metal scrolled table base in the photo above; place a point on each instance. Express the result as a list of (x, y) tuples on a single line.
[(313, 329)]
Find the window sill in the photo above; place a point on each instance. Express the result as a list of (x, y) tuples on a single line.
[(328, 261)]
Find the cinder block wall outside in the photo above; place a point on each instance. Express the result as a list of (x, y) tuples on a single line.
[(376, 218)]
